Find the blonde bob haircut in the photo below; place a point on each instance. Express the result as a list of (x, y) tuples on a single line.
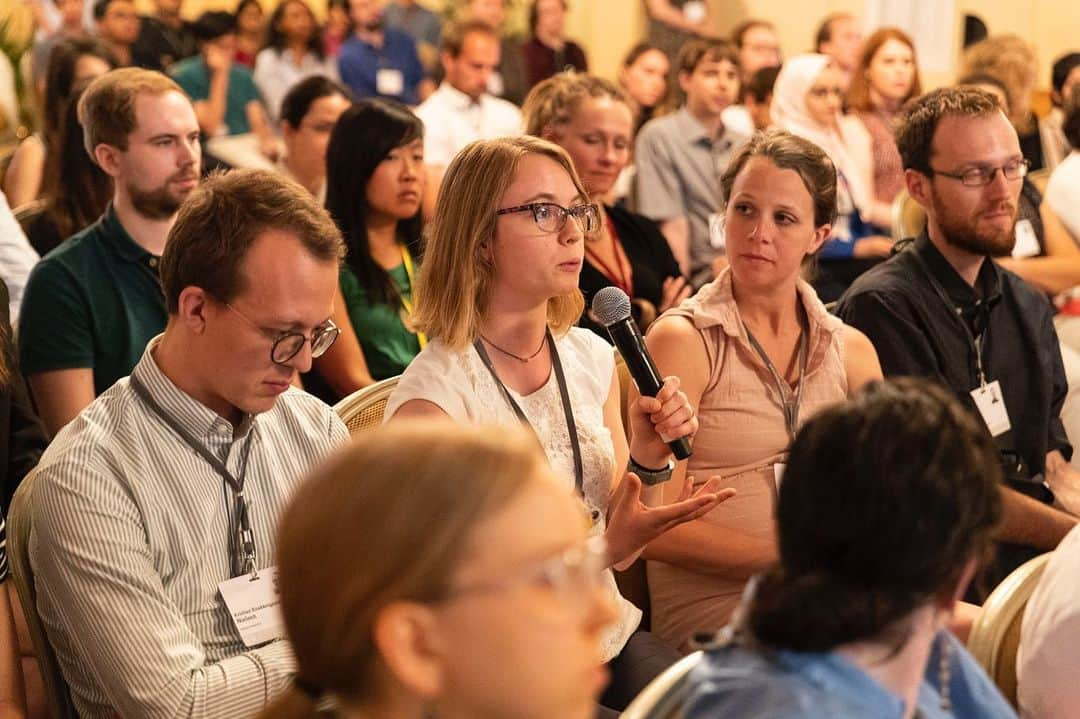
[(456, 278), (554, 101)]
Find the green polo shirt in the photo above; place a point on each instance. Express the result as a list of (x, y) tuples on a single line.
[(95, 301), (193, 77), (388, 345)]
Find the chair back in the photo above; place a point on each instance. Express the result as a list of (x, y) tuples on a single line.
[(995, 636), (26, 214), (665, 696), (363, 409), (57, 695), (908, 217)]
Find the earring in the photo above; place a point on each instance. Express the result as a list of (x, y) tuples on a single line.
[(945, 674)]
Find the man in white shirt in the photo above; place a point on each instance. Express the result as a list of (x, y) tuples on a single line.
[(461, 110)]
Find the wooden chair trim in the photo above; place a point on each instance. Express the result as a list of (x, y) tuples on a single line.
[(352, 407), (663, 698)]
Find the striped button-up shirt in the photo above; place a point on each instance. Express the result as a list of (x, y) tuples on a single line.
[(130, 540)]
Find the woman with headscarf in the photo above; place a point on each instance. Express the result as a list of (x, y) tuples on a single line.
[(807, 101)]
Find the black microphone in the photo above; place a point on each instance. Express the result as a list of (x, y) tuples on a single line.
[(611, 307)]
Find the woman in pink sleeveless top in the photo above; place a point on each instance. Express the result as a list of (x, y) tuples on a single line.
[(757, 354)]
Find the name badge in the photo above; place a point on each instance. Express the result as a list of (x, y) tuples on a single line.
[(255, 606), (389, 81), (778, 474), (1027, 244), (694, 11), (991, 405), (495, 84)]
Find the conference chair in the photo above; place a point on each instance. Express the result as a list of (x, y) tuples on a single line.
[(57, 695), (908, 217), (665, 696), (363, 409), (995, 636), (26, 214)]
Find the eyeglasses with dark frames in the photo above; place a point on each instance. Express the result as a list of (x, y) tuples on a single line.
[(551, 217), (287, 344), (980, 176)]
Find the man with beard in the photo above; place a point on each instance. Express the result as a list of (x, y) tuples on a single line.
[(380, 61), (943, 309), (92, 304)]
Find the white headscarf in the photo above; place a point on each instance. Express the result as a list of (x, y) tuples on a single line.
[(790, 113)]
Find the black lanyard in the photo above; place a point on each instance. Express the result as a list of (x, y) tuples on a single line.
[(975, 342), (789, 400), (568, 410), (242, 553)]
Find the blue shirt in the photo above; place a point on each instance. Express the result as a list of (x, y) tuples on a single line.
[(359, 62), (734, 681)]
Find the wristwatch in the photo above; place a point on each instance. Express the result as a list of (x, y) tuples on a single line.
[(651, 477)]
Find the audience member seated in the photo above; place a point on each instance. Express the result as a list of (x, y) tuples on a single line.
[(1063, 188), (308, 114), (758, 97), (22, 438), (509, 80), (336, 29), (92, 305), (294, 50), (807, 101), (672, 23), (493, 567), (680, 157), (941, 309), (250, 32), (164, 37), (547, 51), (462, 110), (117, 25), (757, 46), (17, 259), (77, 191), (70, 27), (756, 353), (222, 90), (500, 283), (424, 26), (1065, 75), (72, 62), (1012, 60), (1046, 686), (886, 76), (374, 183), (380, 61), (592, 120), (852, 620), (840, 37), (643, 77), (129, 544)]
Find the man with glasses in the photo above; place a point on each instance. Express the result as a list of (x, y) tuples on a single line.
[(943, 308), (154, 512)]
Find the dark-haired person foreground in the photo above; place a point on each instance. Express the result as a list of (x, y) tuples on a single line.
[(170, 484), (309, 112), (488, 603), (943, 309), (851, 622), (375, 181), (91, 306)]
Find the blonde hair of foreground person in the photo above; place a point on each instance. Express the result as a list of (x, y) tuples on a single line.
[(405, 586), (456, 278)]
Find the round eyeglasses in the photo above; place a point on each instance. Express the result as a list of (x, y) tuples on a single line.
[(287, 344), (551, 217)]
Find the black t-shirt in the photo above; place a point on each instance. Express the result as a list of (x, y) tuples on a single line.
[(651, 262), (159, 46), (915, 333)]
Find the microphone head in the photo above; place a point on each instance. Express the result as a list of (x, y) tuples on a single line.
[(611, 305)]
